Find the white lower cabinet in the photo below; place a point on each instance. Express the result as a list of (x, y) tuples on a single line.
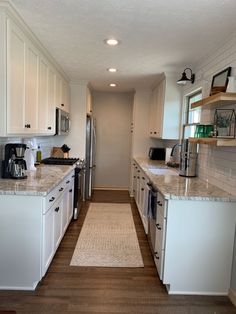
[(48, 239), (32, 226), (58, 215), (194, 245), (140, 193)]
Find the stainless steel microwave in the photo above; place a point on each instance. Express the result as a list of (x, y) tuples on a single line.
[(62, 122)]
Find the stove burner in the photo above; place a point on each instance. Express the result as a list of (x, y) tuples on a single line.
[(59, 161)]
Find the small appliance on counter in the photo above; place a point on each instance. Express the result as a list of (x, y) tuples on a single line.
[(157, 153), (14, 165), (188, 159)]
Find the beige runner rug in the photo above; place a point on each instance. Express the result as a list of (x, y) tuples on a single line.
[(108, 238)]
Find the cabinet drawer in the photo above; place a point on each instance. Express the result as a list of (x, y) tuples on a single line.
[(161, 205), (57, 191), (50, 199), (160, 231), (159, 261)]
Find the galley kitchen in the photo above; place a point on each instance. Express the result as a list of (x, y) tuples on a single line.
[(117, 153)]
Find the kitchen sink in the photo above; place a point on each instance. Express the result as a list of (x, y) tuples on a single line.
[(163, 171)]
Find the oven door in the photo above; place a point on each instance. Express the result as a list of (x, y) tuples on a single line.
[(152, 210)]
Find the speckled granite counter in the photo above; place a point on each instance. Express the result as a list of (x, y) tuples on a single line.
[(39, 182), (181, 188)]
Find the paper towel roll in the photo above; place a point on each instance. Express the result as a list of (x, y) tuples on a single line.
[(168, 152)]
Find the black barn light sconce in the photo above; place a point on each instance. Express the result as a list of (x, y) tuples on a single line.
[(184, 79)]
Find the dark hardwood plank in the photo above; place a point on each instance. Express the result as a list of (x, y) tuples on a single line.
[(86, 290)]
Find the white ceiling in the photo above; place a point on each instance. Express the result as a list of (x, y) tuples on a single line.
[(156, 36)]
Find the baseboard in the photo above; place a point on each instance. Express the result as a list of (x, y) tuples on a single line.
[(111, 188), (232, 296)]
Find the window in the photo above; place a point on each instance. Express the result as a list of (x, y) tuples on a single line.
[(192, 116)]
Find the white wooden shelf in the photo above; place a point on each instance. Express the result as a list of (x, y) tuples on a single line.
[(219, 99), (213, 141)]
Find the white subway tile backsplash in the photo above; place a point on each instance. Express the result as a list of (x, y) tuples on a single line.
[(217, 165)]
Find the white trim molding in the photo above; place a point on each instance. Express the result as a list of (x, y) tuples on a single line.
[(232, 296)]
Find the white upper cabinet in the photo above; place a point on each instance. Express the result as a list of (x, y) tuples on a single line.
[(165, 110), (46, 108), (31, 87), (62, 93), (88, 101), (16, 81)]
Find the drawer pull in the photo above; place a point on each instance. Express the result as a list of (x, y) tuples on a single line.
[(73, 176), (134, 177), (49, 128), (159, 203), (70, 190), (52, 199), (61, 189), (143, 178), (156, 255), (57, 209), (142, 189), (67, 181), (138, 177), (158, 226)]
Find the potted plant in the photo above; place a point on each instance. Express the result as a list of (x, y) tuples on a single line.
[(225, 122)]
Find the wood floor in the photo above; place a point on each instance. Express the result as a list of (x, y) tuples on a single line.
[(82, 290)]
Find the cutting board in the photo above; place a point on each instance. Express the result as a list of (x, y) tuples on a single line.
[(57, 152)]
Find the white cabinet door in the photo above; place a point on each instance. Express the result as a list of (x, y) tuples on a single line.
[(160, 108), (48, 239), (51, 102), (43, 96), (71, 201), (88, 101), (46, 109), (16, 63), (65, 96), (32, 83), (165, 110), (65, 210), (57, 222)]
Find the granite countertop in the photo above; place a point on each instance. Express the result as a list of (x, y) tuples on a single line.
[(181, 188), (38, 183)]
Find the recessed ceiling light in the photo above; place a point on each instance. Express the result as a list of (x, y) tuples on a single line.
[(112, 85), (112, 70), (111, 42)]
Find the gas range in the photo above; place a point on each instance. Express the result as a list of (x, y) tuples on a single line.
[(59, 161)]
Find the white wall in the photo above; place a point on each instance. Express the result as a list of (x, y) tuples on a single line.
[(216, 164), (113, 114), (77, 136)]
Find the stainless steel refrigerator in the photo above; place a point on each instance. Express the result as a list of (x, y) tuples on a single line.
[(90, 156)]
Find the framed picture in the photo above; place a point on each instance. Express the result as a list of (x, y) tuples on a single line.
[(220, 81)]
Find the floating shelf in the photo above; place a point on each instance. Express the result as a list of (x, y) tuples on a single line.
[(219, 99), (213, 141)]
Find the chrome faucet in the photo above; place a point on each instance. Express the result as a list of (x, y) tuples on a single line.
[(174, 158)]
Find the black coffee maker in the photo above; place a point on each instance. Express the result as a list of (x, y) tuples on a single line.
[(14, 165)]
